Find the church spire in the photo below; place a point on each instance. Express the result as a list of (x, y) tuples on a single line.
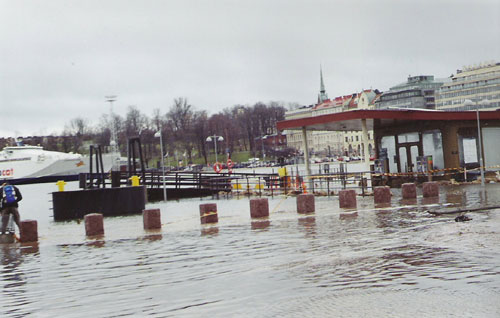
[(322, 85), (322, 96)]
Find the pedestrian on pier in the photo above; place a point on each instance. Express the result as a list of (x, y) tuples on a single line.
[(9, 198)]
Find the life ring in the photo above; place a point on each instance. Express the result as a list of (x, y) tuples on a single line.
[(217, 167), (230, 165)]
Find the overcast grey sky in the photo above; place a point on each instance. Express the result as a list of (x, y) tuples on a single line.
[(58, 59)]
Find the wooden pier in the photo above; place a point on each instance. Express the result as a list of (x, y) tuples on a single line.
[(182, 184)]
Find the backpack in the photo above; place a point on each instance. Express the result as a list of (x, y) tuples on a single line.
[(9, 194)]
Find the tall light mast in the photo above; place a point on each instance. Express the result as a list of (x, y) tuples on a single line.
[(115, 153)]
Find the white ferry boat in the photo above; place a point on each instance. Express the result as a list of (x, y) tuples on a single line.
[(25, 162)]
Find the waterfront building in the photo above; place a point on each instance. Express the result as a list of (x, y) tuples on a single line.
[(416, 92), (326, 143), (294, 137), (332, 143), (480, 84), (353, 144)]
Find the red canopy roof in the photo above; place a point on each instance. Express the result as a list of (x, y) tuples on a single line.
[(351, 120)]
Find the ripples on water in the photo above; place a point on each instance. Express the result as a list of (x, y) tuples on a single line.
[(398, 261)]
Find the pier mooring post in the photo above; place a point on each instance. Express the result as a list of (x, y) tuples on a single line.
[(409, 191), (347, 199), (94, 224), (151, 219), (259, 207), (305, 203), (382, 194), (208, 213), (430, 189), (29, 231)]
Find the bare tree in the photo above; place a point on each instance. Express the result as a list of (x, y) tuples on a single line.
[(135, 121), (200, 123), (180, 116)]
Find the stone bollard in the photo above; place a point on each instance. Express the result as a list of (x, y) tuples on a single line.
[(382, 194), (28, 231), (208, 213), (409, 191), (347, 199), (305, 203), (94, 224), (151, 219), (430, 189), (259, 208)]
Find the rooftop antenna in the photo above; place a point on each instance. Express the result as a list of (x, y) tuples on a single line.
[(113, 143)]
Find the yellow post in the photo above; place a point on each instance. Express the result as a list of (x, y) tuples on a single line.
[(60, 184), (135, 181), (282, 172)]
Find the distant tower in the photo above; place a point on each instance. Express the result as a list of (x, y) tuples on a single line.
[(322, 96)]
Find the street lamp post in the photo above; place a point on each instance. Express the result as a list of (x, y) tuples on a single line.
[(158, 134), (215, 139), (481, 166), (263, 150), (468, 102)]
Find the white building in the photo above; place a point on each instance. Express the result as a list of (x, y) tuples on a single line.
[(479, 84)]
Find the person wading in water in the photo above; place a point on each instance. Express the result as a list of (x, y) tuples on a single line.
[(9, 198)]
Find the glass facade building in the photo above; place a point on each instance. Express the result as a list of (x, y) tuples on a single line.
[(417, 92)]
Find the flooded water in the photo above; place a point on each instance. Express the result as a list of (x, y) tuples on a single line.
[(397, 261)]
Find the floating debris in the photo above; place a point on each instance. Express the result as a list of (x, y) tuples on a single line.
[(462, 218)]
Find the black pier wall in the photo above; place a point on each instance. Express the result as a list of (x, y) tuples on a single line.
[(109, 201)]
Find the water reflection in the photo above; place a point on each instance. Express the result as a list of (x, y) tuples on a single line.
[(13, 278), (308, 225), (380, 261), (430, 200), (456, 196), (30, 248), (348, 215), (153, 237), (209, 231), (260, 225), (97, 243)]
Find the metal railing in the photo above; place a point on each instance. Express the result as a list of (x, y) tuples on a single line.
[(267, 184)]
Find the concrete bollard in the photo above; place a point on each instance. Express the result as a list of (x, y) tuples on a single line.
[(430, 189), (151, 219), (347, 199), (382, 194), (259, 208), (208, 213), (305, 203), (28, 231), (94, 224), (409, 191)]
